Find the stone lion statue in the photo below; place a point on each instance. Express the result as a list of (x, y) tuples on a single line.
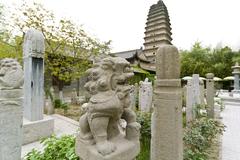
[(109, 103), (11, 74)]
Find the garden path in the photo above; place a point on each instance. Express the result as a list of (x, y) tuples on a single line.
[(231, 137)]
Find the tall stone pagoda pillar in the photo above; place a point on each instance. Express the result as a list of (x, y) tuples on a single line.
[(166, 141)]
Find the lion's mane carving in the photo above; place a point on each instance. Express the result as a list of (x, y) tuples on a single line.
[(11, 74)]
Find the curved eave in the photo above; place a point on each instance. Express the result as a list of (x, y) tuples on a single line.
[(142, 57), (162, 17), (148, 66), (158, 24), (165, 27), (163, 37), (158, 35)]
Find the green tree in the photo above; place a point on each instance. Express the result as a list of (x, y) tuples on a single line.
[(202, 60), (195, 61), (222, 61), (8, 44), (68, 47)]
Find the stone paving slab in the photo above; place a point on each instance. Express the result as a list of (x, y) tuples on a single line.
[(62, 126), (231, 138)]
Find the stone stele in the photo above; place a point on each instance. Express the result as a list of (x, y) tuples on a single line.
[(210, 94), (35, 124), (11, 116), (189, 101), (166, 141), (145, 95), (100, 136)]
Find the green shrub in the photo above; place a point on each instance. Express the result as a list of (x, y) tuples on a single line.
[(198, 137), (57, 103), (144, 119), (62, 148), (65, 107)]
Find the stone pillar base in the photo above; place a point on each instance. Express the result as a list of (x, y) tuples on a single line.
[(126, 150), (35, 130)]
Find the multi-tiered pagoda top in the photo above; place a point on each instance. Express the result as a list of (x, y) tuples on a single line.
[(157, 32)]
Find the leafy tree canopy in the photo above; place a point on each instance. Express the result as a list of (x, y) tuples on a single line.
[(202, 60), (68, 46)]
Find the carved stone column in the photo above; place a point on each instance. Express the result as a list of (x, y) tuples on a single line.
[(210, 94), (33, 51), (189, 101), (166, 142), (11, 106)]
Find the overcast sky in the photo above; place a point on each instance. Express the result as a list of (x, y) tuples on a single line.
[(212, 22)]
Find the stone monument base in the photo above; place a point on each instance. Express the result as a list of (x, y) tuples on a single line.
[(126, 150), (35, 130)]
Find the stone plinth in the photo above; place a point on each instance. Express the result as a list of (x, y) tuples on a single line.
[(210, 94), (166, 141), (11, 124), (36, 130), (126, 150)]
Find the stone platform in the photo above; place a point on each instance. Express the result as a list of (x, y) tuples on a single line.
[(62, 126), (35, 130), (126, 150)]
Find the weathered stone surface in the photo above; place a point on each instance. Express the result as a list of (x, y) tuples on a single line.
[(166, 141), (33, 44), (35, 125), (11, 101), (49, 107), (100, 135), (168, 63), (74, 97), (126, 150), (145, 95), (35, 130), (11, 74), (133, 96), (33, 50), (189, 101), (202, 92), (210, 94), (236, 73), (196, 89)]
